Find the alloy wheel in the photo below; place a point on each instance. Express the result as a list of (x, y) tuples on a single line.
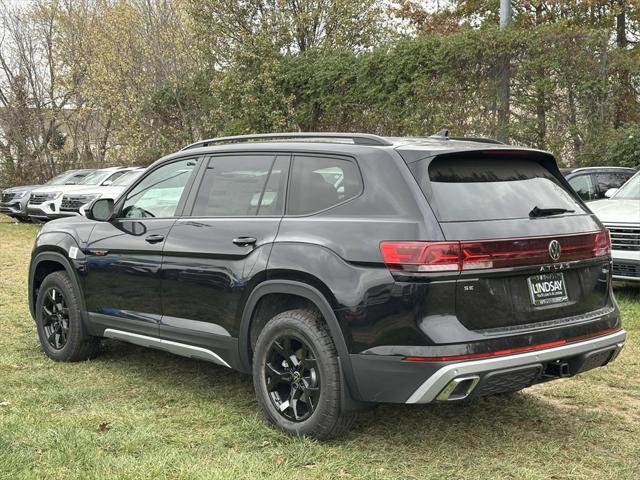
[(55, 318), (292, 378)]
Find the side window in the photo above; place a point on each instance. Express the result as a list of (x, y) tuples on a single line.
[(318, 183), (113, 178), (583, 186), (272, 202), (242, 185), (605, 181), (158, 194)]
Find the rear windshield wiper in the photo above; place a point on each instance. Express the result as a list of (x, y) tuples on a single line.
[(546, 212)]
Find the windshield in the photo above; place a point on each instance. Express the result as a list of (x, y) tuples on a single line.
[(97, 177), (127, 178), (630, 190), (70, 177)]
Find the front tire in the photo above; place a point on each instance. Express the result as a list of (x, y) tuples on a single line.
[(59, 323), (297, 378)]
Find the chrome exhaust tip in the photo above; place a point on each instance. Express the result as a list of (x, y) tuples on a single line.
[(458, 388)]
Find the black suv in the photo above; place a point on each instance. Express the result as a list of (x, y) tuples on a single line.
[(340, 270), (592, 183)]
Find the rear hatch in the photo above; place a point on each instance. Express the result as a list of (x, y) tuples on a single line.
[(530, 253)]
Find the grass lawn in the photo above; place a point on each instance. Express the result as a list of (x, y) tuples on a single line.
[(137, 413)]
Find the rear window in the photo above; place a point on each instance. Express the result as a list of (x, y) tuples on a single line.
[(472, 189)]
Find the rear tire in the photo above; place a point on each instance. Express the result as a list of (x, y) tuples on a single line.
[(59, 322), (297, 378)]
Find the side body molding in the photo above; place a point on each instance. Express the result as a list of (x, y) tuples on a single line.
[(311, 294)]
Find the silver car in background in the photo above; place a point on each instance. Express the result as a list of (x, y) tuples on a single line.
[(45, 202), (13, 201), (620, 213)]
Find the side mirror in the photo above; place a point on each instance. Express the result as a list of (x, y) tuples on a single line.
[(610, 193), (100, 210), (106, 183)]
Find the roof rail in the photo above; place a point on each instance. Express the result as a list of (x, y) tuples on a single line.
[(357, 138)]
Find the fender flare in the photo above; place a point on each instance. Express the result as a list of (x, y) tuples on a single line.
[(313, 295), (57, 257)]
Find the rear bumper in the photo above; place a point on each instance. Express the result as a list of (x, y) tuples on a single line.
[(390, 379)]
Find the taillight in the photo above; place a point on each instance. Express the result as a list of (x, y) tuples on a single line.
[(421, 256), (455, 256), (602, 243)]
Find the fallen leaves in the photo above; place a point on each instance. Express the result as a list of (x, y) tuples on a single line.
[(104, 427)]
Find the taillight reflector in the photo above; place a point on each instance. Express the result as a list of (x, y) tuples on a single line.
[(510, 351), (456, 256)]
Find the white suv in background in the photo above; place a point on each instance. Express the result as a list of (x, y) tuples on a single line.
[(74, 203), (44, 202), (621, 215)]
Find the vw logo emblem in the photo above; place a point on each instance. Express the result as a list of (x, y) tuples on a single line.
[(554, 250)]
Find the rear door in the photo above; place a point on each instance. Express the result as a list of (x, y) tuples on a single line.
[(529, 247), (220, 247)]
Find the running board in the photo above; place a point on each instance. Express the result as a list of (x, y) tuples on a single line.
[(176, 348)]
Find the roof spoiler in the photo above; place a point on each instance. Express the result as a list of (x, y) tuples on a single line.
[(444, 135)]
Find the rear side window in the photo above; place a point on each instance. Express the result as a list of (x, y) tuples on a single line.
[(242, 185), (583, 186), (318, 183), (470, 189)]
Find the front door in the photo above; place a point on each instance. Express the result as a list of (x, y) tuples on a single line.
[(122, 276), (220, 248)]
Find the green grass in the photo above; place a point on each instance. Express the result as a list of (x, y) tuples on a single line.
[(170, 417)]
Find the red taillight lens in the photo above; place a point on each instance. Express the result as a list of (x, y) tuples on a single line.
[(421, 256), (454, 256), (602, 243)]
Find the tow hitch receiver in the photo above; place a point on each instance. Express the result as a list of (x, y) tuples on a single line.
[(557, 369)]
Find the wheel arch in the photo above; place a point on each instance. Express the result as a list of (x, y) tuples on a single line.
[(45, 263), (313, 295)]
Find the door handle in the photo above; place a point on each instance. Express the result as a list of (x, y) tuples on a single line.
[(244, 241), (154, 238)]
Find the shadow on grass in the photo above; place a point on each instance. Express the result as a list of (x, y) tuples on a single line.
[(481, 421)]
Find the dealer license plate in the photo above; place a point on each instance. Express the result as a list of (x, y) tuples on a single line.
[(547, 288)]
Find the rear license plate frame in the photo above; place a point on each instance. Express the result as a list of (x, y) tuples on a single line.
[(551, 294)]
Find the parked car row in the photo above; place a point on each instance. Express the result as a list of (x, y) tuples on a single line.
[(69, 193), (66, 194)]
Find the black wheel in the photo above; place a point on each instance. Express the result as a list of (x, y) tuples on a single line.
[(297, 378), (60, 329)]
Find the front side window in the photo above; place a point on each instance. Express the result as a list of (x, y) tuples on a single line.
[(606, 181), (158, 194), (318, 183), (583, 186), (242, 185)]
